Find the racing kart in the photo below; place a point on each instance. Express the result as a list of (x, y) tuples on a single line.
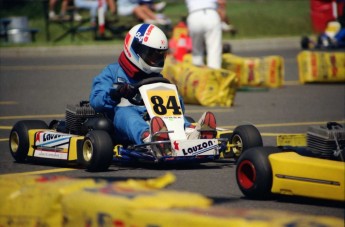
[(333, 38), (307, 165), (88, 138)]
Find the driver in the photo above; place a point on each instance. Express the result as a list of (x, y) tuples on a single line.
[(143, 56)]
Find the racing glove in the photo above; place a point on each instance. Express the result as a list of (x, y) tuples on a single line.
[(120, 90)]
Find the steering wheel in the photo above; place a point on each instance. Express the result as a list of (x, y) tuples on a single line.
[(136, 99)]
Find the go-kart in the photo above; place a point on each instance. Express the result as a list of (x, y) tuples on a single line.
[(333, 38), (88, 138), (307, 165)]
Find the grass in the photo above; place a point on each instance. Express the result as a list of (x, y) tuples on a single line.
[(252, 18), (261, 18), (271, 18)]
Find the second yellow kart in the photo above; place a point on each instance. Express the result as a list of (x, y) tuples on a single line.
[(313, 167)]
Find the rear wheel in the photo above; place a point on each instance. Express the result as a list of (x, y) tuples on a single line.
[(254, 172), (243, 138), (19, 138), (97, 151), (305, 43)]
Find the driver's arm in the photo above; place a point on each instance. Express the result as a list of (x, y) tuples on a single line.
[(102, 84)]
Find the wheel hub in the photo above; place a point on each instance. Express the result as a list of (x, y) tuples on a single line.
[(87, 150), (238, 145), (246, 174), (14, 142)]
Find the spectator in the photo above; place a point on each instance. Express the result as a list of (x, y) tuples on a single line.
[(93, 5), (63, 10), (205, 29), (156, 7), (141, 11)]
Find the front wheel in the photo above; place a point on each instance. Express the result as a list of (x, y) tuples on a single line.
[(243, 138), (254, 172), (97, 151), (19, 138)]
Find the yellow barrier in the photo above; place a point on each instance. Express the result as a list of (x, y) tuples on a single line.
[(217, 87), (317, 66), (266, 71), (117, 202), (61, 201), (36, 200), (201, 85)]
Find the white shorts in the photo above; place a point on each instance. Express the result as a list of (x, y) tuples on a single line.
[(126, 9), (205, 30)]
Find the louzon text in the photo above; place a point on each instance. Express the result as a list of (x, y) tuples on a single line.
[(199, 148)]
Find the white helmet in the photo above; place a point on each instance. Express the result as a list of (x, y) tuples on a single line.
[(146, 46)]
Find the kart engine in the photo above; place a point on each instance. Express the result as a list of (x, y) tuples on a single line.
[(76, 116), (327, 141)]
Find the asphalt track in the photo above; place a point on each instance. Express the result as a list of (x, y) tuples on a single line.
[(39, 83)]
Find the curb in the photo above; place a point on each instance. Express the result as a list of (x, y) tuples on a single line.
[(96, 50), (60, 51), (265, 44)]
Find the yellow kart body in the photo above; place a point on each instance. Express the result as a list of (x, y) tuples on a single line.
[(295, 167), (294, 174), (67, 153)]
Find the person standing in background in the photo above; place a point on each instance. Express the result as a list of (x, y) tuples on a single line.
[(205, 29)]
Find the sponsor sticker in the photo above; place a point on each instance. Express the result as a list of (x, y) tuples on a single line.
[(195, 147), (52, 145), (50, 154)]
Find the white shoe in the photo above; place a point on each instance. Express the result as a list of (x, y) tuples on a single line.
[(226, 27), (193, 133), (147, 139), (150, 21), (162, 19), (77, 17), (159, 6), (52, 15)]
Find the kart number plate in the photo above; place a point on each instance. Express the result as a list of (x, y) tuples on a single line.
[(164, 102)]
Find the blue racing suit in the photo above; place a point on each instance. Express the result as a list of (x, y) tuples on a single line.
[(128, 120)]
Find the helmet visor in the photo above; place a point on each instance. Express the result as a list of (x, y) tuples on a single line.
[(151, 56)]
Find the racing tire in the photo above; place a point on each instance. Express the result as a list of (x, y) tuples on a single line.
[(305, 42), (97, 151), (243, 138), (19, 142), (254, 172)]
